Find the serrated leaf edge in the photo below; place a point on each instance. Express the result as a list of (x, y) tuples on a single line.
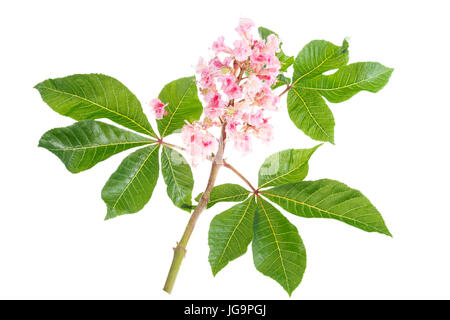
[(134, 176), (234, 230), (98, 105), (286, 173)]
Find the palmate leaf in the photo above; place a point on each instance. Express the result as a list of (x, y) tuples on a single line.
[(130, 187), (227, 192), (230, 233), (328, 199), (285, 166), (83, 144), (278, 250), (95, 96), (177, 175), (306, 107), (183, 104)]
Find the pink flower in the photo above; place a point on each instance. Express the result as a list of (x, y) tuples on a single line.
[(212, 112), (241, 50), (201, 65), (209, 144), (199, 143), (233, 91), (207, 79), (232, 127), (273, 43), (255, 119), (217, 65), (245, 24), (244, 28), (259, 57), (274, 64), (242, 104), (219, 46), (230, 87), (259, 45), (252, 86), (228, 80), (214, 106), (158, 108), (242, 142), (269, 75), (275, 101), (265, 131), (266, 98)]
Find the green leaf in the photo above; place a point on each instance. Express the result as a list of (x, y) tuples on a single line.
[(130, 187), (182, 97), (282, 81), (178, 178), (286, 166), (310, 113), (328, 199), (317, 57), (349, 80), (227, 192), (264, 33), (307, 109), (278, 250), (95, 96), (230, 233), (286, 61), (83, 144)]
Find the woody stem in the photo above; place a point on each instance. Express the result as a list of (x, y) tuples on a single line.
[(180, 249)]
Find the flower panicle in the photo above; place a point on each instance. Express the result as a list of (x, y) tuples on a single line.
[(235, 85)]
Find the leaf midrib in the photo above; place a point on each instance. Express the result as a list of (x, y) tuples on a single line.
[(278, 246), (100, 106), (343, 87), (313, 69), (102, 145), (135, 175), (228, 197), (280, 176), (309, 112), (173, 173), (234, 230), (322, 210), (176, 109)]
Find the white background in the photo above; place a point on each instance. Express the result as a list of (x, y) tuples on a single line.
[(393, 146)]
